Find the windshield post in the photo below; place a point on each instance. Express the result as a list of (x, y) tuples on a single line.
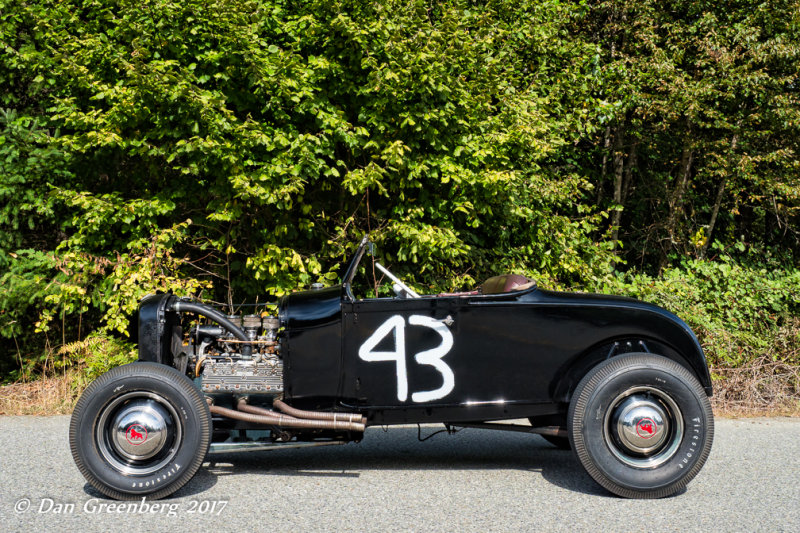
[(351, 270)]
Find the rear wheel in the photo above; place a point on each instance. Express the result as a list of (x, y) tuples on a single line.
[(141, 429), (641, 425)]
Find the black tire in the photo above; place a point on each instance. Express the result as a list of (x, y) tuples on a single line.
[(135, 461), (562, 443), (641, 425)]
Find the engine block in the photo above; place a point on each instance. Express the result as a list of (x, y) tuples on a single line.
[(263, 376)]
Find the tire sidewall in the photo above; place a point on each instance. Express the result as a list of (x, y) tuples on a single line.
[(591, 438), (166, 384)]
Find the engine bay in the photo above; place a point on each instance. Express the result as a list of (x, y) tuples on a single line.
[(222, 366)]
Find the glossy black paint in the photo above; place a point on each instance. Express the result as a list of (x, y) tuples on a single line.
[(312, 344), (514, 355), (155, 327)]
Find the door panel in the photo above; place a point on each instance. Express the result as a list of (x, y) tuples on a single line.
[(401, 353)]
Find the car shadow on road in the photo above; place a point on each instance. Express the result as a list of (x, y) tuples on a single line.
[(400, 449)]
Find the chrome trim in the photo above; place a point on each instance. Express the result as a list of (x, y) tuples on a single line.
[(396, 280), (447, 321), (641, 425), (139, 429), (624, 416), (138, 407), (237, 447), (470, 403)]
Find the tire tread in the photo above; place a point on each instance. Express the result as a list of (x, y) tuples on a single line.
[(158, 371), (582, 395)]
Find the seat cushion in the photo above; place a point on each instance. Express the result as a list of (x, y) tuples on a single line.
[(506, 283)]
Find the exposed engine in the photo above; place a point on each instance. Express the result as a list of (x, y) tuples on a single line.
[(238, 364), (244, 376), (224, 367)]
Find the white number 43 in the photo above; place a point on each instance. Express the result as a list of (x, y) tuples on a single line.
[(396, 325)]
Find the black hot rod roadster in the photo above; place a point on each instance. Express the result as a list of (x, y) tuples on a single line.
[(623, 383)]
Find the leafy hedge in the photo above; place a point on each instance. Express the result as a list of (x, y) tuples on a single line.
[(741, 311), (237, 149)]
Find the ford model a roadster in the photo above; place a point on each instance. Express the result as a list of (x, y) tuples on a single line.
[(623, 383)]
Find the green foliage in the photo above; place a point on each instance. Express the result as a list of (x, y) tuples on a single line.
[(238, 149), (701, 124), (96, 355), (737, 308)]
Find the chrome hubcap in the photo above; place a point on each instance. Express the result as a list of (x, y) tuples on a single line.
[(140, 429), (138, 433), (643, 427), (641, 424)]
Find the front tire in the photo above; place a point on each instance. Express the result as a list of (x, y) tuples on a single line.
[(142, 429), (641, 425)]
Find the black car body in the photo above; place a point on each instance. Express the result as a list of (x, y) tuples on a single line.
[(330, 364)]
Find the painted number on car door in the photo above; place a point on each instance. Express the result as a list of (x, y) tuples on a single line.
[(396, 326)]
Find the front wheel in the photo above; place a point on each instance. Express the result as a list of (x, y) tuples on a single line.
[(641, 425), (142, 429)]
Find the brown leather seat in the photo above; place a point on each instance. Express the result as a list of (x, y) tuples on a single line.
[(506, 283)]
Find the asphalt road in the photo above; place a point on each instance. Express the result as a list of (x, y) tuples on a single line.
[(476, 480)]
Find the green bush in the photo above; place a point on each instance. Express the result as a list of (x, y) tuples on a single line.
[(238, 149), (738, 308), (250, 144)]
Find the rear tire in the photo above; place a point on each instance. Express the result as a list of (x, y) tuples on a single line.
[(142, 429), (641, 425)]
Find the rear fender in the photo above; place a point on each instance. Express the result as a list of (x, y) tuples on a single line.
[(580, 366)]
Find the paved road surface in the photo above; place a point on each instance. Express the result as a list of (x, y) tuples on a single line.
[(476, 480)]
